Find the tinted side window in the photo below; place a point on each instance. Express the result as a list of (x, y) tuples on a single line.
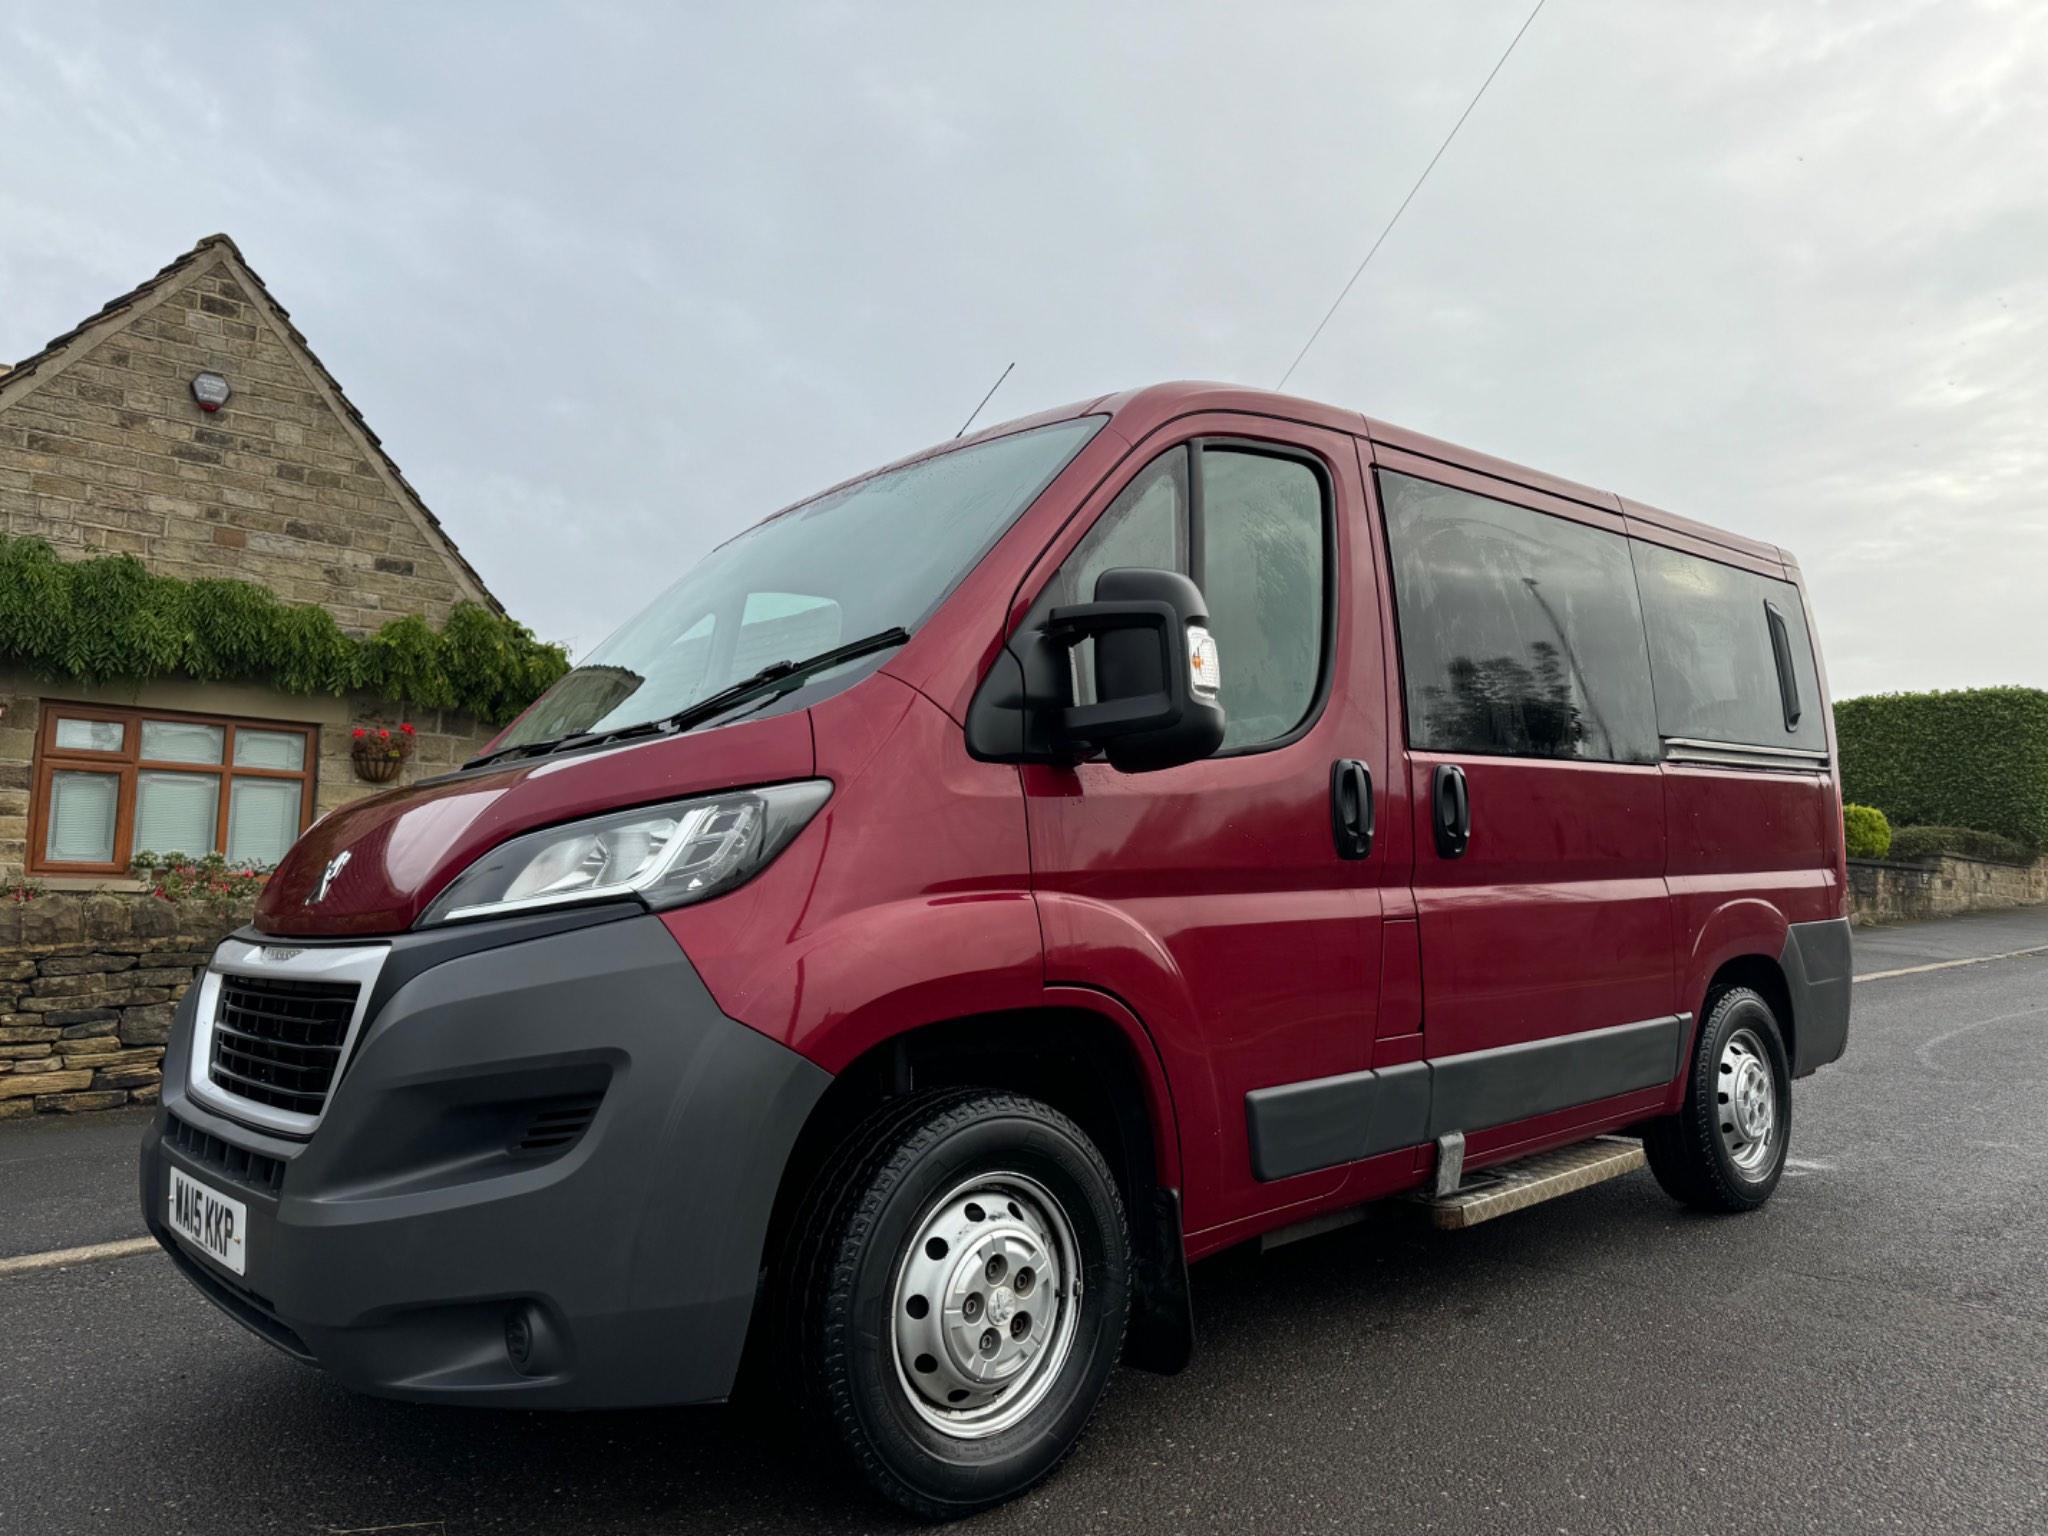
[(1712, 654), (1262, 571), (1521, 633)]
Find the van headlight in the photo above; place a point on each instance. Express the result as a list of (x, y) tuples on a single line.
[(667, 855)]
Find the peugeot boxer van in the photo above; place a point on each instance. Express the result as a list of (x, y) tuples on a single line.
[(977, 892)]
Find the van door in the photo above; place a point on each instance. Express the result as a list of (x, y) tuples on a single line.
[(1213, 898), (1547, 949)]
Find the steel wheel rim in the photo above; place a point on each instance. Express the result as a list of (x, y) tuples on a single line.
[(1746, 1109), (977, 1344)]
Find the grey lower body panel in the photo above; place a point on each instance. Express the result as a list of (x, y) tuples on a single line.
[(1299, 1127), (407, 1231), (1817, 964)]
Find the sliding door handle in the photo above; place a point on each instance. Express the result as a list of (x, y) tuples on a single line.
[(1450, 800)]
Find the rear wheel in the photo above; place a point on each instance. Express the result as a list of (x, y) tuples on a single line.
[(971, 1301), (1725, 1148)]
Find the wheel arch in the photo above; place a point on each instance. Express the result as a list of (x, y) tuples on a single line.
[(1087, 1057), (1738, 944), (1763, 975)]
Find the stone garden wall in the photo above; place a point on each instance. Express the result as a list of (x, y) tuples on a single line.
[(1881, 892), (87, 987)]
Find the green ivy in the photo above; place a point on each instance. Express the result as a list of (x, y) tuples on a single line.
[(1866, 833), (110, 619), (1973, 758)]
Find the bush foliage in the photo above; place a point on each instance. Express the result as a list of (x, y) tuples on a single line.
[(1866, 833), (111, 620), (1910, 845), (1972, 758)]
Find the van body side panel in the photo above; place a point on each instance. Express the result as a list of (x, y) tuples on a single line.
[(1744, 839), (1210, 897), (1758, 853), (906, 901), (1556, 919)]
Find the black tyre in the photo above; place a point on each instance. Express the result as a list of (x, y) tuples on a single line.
[(1725, 1148), (969, 1302)]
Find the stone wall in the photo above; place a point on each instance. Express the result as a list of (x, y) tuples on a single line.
[(1881, 892), (87, 988)]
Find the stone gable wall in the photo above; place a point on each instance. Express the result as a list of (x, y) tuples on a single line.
[(103, 450), (112, 454)]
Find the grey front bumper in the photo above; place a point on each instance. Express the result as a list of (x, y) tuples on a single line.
[(406, 1233)]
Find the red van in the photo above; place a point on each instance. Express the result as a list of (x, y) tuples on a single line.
[(976, 892)]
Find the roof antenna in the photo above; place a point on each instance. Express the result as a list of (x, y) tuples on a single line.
[(984, 401)]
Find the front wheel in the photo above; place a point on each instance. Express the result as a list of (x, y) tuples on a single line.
[(1725, 1148), (972, 1302)]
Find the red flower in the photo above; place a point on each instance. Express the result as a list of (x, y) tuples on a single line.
[(383, 735), (406, 726), (360, 733)]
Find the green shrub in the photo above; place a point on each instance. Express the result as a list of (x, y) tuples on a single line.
[(1866, 833), (1972, 758), (1911, 845), (109, 619)]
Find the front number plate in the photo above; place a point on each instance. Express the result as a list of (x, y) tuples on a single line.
[(217, 1226)]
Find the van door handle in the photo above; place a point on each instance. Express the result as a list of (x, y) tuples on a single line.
[(1451, 806), (1351, 807)]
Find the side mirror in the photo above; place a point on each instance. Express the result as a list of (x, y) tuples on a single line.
[(1156, 673)]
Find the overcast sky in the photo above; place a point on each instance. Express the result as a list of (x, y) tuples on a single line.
[(612, 282)]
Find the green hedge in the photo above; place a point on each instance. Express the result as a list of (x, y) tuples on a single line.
[(1972, 758), (1866, 834), (1911, 845), (111, 620)]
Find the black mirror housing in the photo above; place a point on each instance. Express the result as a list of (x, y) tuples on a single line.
[(1155, 672), (1148, 628)]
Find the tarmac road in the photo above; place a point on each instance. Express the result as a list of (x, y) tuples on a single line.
[(1868, 1353)]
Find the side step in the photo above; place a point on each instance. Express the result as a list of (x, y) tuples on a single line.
[(1532, 1180)]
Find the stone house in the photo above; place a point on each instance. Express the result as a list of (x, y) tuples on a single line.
[(106, 446)]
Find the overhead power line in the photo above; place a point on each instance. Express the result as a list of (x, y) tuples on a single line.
[(1345, 291)]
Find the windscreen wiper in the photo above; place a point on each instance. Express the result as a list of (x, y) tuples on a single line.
[(790, 674)]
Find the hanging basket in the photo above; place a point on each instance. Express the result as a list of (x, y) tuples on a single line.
[(379, 757), (375, 767)]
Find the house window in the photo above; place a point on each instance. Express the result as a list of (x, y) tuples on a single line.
[(111, 783)]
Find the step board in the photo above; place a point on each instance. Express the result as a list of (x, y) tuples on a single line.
[(1516, 1186)]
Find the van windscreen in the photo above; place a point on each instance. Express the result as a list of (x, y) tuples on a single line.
[(879, 553)]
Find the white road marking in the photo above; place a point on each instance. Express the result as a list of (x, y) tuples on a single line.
[(1949, 965), (57, 1258)]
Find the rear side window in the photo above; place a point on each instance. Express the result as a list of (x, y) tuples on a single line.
[(1730, 653), (1252, 529), (1521, 633)]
